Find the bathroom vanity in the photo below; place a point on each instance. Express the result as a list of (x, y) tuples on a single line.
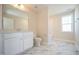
[(17, 42)]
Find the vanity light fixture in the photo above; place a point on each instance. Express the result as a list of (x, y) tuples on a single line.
[(23, 7), (19, 6)]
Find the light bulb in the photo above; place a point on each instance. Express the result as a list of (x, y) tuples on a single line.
[(21, 6)]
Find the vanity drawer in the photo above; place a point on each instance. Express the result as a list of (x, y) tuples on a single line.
[(12, 35), (28, 36)]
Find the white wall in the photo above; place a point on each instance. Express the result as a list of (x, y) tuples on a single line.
[(77, 27)]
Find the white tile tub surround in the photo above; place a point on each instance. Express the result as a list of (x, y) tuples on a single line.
[(57, 48), (17, 42)]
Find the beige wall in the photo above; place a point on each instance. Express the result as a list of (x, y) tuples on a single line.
[(42, 24), (32, 22), (38, 23)]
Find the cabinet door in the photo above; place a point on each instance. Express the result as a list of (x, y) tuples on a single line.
[(13, 46), (28, 41)]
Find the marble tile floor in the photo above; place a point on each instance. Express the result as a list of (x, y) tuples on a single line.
[(57, 48)]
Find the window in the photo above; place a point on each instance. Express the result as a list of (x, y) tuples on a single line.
[(67, 21)]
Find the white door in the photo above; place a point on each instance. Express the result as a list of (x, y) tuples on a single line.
[(13, 46), (77, 27)]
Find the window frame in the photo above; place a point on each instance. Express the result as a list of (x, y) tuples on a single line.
[(72, 14)]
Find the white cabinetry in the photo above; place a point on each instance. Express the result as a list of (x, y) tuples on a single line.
[(13, 46), (28, 40), (15, 43)]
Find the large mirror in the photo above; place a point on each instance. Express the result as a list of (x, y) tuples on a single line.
[(14, 19)]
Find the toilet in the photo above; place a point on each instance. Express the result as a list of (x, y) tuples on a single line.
[(37, 41)]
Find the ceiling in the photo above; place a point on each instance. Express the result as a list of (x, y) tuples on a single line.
[(53, 9), (60, 8)]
